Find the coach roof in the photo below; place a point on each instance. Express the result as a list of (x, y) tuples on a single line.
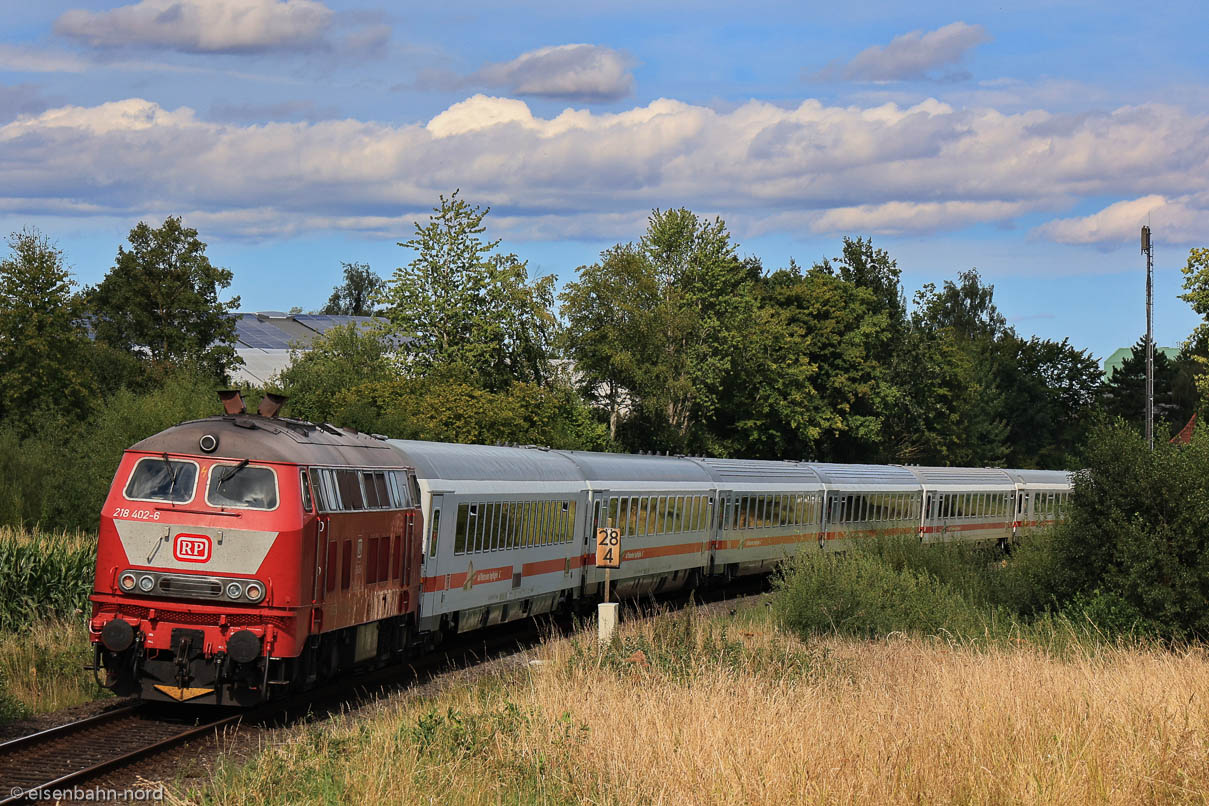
[(446, 460)]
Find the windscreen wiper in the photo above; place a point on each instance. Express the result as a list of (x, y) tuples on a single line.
[(171, 475), (231, 474)]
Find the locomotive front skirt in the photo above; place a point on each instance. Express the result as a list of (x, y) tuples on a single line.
[(245, 555)]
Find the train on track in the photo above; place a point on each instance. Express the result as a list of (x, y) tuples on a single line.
[(243, 555)]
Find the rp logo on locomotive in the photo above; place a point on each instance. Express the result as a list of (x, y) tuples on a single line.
[(189, 548)]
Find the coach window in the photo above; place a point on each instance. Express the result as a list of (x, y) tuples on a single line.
[(482, 537), (525, 510), (459, 528), (161, 479), (552, 508), (474, 532)]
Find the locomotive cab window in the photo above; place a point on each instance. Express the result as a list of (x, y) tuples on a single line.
[(242, 486), (159, 479)]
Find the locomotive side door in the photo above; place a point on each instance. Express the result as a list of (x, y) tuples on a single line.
[(316, 532)]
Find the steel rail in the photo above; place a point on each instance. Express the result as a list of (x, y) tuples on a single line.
[(65, 755)]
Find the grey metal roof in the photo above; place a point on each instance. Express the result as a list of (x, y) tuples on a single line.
[(623, 467), (272, 439), (273, 330), (443, 460), (962, 476), (852, 476), (754, 471), (1058, 478)]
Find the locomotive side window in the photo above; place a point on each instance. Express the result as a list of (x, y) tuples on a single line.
[(369, 491), (242, 487), (350, 489), (306, 491), (159, 479)]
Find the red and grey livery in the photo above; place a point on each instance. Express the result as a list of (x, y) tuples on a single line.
[(244, 554)]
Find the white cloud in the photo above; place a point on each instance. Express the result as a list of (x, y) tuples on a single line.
[(579, 174), (570, 72), (1180, 220), (911, 56), (201, 26)]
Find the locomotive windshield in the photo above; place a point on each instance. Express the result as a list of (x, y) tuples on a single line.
[(242, 487), (162, 479)]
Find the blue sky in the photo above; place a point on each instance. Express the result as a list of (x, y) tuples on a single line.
[(1028, 140)]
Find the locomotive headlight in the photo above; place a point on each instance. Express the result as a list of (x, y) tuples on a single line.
[(126, 581), (146, 583), (254, 592), (234, 590)]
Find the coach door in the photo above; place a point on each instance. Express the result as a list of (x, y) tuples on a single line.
[(432, 537)]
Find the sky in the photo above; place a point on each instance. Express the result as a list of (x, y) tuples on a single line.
[(1028, 140)]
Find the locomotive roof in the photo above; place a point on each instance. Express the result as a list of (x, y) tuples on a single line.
[(273, 439), (447, 460)]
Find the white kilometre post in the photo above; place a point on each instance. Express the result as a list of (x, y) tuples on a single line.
[(608, 557)]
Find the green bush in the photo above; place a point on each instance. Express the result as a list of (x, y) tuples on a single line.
[(867, 594), (1135, 543)]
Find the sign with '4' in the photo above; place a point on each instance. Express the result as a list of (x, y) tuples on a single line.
[(608, 548)]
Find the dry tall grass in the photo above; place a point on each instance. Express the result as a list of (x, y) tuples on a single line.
[(761, 718)]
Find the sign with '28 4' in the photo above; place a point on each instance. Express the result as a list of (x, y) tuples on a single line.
[(608, 548)]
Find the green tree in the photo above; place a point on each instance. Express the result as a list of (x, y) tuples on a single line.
[(161, 301), (43, 344), (816, 387), (466, 311), (1050, 392), (705, 319), (357, 295), (452, 411), (345, 357), (611, 311), (866, 267), (1124, 394), (961, 321), (1196, 288)]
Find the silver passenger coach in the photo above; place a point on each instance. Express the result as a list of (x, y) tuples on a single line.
[(511, 529)]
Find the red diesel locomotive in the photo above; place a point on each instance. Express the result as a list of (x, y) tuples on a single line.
[(241, 553)]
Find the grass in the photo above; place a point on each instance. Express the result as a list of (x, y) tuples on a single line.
[(42, 669), (683, 709)]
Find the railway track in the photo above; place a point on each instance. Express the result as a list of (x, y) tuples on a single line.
[(64, 756)]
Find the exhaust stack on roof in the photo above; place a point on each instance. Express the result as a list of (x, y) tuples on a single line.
[(232, 401), (270, 404)]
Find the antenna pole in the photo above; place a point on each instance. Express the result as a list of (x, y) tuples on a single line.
[(1148, 250)]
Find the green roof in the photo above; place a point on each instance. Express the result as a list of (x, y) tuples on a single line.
[(1121, 353)]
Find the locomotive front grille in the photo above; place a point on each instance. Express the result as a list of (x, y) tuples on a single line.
[(201, 587)]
